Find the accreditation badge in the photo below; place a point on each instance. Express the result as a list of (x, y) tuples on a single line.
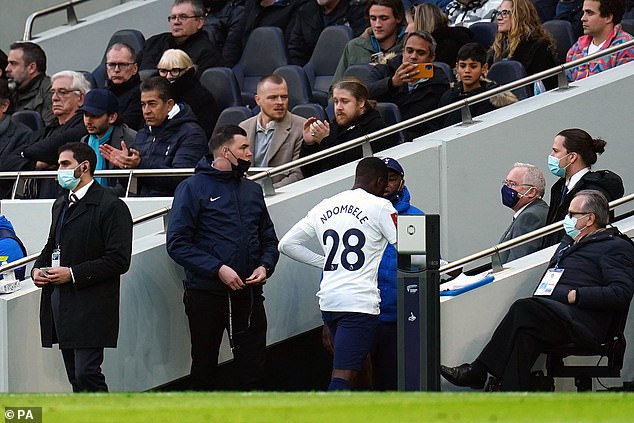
[(549, 282)]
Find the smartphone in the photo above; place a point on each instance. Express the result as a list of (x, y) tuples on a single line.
[(45, 270), (424, 70), (377, 58)]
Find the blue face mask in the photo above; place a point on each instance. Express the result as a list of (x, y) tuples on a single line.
[(66, 178), (570, 226), (553, 166), (510, 197)]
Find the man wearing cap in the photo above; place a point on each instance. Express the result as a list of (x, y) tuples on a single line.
[(104, 125), (384, 355)]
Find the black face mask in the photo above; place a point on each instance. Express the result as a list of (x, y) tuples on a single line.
[(240, 169)]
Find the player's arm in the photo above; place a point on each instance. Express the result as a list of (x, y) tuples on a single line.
[(292, 245)]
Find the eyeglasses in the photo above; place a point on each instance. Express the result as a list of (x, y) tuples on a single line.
[(181, 18), (513, 184), (573, 214), (62, 92), (122, 66), (505, 13), (174, 72)]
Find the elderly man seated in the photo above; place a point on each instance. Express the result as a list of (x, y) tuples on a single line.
[(588, 284)]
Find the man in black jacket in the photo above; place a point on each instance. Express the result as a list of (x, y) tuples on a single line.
[(588, 286), (400, 82), (89, 246), (221, 233), (186, 33), (123, 81), (225, 26)]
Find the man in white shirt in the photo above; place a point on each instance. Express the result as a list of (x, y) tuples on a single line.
[(354, 227)]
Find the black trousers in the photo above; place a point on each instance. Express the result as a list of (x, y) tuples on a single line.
[(528, 329), (83, 367), (208, 316)]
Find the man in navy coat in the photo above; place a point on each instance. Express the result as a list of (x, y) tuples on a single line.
[(587, 288)]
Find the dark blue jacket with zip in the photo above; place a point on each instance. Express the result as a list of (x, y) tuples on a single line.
[(218, 218)]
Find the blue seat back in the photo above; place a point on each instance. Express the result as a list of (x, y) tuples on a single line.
[(391, 115), (506, 71), (222, 84), (30, 118), (299, 91), (484, 33), (233, 116), (310, 110), (564, 37)]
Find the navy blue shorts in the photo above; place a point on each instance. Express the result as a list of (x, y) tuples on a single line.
[(352, 337)]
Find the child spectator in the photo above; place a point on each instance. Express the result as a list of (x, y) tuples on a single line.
[(471, 70)]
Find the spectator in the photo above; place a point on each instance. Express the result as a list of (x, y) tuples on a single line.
[(574, 152), (172, 138), (13, 138), (275, 134), (430, 18), (224, 26), (26, 73), (124, 81), (89, 247), (382, 40), (471, 69), (177, 67), (348, 294), (594, 286), (315, 15), (601, 28), (467, 12), (522, 37), (355, 116), (68, 90), (522, 192), (277, 13), (186, 22), (11, 247), (400, 82), (104, 126), (384, 354), (221, 233)]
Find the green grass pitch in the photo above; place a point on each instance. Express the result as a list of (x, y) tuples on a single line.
[(307, 407)]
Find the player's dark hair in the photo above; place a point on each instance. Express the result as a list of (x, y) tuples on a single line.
[(224, 136), (369, 170), (473, 51), (82, 152)]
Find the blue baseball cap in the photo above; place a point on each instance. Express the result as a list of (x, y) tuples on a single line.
[(99, 102), (394, 165)]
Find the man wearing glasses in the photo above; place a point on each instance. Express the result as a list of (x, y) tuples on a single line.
[(186, 22), (123, 82), (586, 289), (522, 192)]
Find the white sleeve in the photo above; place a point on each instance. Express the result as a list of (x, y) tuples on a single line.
[(291, 245), (387, 223)]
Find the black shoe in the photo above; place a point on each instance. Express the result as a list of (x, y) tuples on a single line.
[(464, 375)]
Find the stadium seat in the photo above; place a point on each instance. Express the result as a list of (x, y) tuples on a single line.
[(484, 33), (628, 25), (233, 116), (564, 37), (264, 52), (323, 63), (222, 84), (447, 69), (310, 110), (299, 91), (391, 115), (131, 37), (363, 72), (90, 78), (613, 350), (506, 71), (30, 118)]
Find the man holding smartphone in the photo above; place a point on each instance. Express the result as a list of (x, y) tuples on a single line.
[(412, 82)]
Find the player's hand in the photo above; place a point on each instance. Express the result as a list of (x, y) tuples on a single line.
[(229, 277), (59, 275), (39, 278), (315, 131), (258, 276)]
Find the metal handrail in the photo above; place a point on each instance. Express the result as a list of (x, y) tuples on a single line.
[(71, 16), (522, 239), (559, 70), (137, 220)]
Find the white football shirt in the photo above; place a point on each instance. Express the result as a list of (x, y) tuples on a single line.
[(353, 228)]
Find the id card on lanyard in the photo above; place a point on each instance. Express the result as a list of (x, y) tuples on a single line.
[(549, 282)]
